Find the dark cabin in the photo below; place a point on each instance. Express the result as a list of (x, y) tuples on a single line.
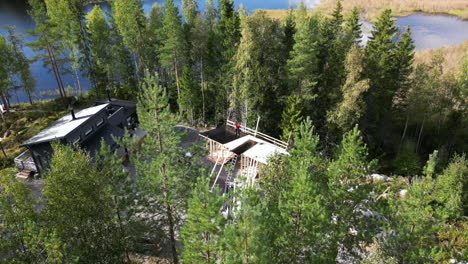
[(85, 128)]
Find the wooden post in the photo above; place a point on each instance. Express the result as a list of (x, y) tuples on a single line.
[(256, 126)]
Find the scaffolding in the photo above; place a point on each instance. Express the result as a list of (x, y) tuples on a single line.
[(243, 154)]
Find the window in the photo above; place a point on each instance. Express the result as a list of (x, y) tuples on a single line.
[(100, 122), (77, 140), (89, 131)]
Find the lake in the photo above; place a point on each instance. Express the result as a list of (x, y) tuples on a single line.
[(428, 31)]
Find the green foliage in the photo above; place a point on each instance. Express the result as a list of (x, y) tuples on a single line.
[(291, 117), (164, 173), (431, 165), (352, 107), (407, 162), (202, 230), (86, 221), (256, 84), (173, 53), (240, 242), (350, 190), (413, 222), (131, 22), (451, 190), (302, 65)]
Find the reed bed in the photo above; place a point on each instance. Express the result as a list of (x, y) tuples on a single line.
[(372, 8), (453, 55)]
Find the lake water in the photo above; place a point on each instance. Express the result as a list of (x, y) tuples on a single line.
[(429, 31)]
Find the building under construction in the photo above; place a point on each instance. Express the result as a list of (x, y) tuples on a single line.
[(239, 153)]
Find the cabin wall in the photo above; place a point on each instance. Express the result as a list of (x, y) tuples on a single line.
[(41, 153)]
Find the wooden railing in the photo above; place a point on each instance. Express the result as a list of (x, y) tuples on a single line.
[(257, 134)]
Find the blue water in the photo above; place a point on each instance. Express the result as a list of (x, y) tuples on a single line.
[(429, 31)]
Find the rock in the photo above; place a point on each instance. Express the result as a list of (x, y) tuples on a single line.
[(380, 177)]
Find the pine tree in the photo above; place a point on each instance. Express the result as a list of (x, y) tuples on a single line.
[(99, 34), (173, 53), (451, 190), (46, 42), (20, 64), (431, 165), (202, 230), (349, 192), (131, 22), (413, 223), (189, 9), (86, 222), (303, 214), (163, 171), (240, 239), (19, 223), (66, 26), (5, 71)]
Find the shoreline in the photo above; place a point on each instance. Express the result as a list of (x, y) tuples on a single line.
[(281, 13)]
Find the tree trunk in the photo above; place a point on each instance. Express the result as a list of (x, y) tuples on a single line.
[(404, 131), (169, 212), (176, 70), (29, 96), (58, 73), (5, 103), (420, 134), (202, 77), (54, 69), (78, 82), (17, 97)]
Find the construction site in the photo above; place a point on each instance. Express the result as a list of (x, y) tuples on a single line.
[(238, 154)]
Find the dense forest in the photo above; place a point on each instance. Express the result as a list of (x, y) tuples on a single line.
[(348, 110)]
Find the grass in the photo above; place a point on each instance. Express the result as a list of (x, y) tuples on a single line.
[(372, 9), (453, 55)]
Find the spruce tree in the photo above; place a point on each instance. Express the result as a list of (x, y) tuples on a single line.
[(189, 9), (202, 230), (352, 28), (292, 117), (403, 60), (229, 27), (302, 65), (379, 69)]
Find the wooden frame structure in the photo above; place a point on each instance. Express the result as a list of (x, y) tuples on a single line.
[(252, 149)]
